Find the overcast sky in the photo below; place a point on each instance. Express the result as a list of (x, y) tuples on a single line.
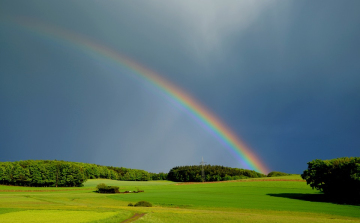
[(283, 75)]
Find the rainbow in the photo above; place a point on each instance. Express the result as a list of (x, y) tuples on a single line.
[(203, 115)]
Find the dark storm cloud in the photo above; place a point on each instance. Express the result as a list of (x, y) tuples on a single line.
[(282, 75)]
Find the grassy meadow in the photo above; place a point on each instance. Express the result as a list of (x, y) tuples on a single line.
[(252, 200)]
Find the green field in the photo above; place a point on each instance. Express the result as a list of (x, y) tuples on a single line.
[(236, 201)]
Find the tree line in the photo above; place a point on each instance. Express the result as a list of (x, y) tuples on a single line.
[(54, 173), (277, 174), (159, 176), (212, 173)]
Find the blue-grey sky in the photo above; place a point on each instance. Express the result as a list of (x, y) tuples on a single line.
[(283, 75)]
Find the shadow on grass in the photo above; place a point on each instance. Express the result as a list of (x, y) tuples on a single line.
[(317, 198)]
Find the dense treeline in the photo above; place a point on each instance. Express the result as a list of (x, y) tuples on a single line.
[(277, 174), (338, 178), (123, 173), (42, 173), (53, 173), (212, 173), (158, 176)]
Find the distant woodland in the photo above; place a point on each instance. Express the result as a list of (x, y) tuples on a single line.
[(212, 173), (53, 173)]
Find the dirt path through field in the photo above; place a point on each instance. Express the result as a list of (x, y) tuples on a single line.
[(135, 217), (242, 181)]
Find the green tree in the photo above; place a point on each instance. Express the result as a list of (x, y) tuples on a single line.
[(339, 178)]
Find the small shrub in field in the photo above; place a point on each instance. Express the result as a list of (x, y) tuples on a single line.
[(100, 186), (130, 204), (143, 204)]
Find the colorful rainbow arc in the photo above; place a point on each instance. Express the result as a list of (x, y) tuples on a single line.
[(222, 132)]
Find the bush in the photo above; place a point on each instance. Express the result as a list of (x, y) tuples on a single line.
[(143, 204), (130, 204), (338, 178), (277, 174), (102, 188)]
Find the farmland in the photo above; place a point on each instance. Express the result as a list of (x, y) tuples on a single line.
[(282, 199)]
